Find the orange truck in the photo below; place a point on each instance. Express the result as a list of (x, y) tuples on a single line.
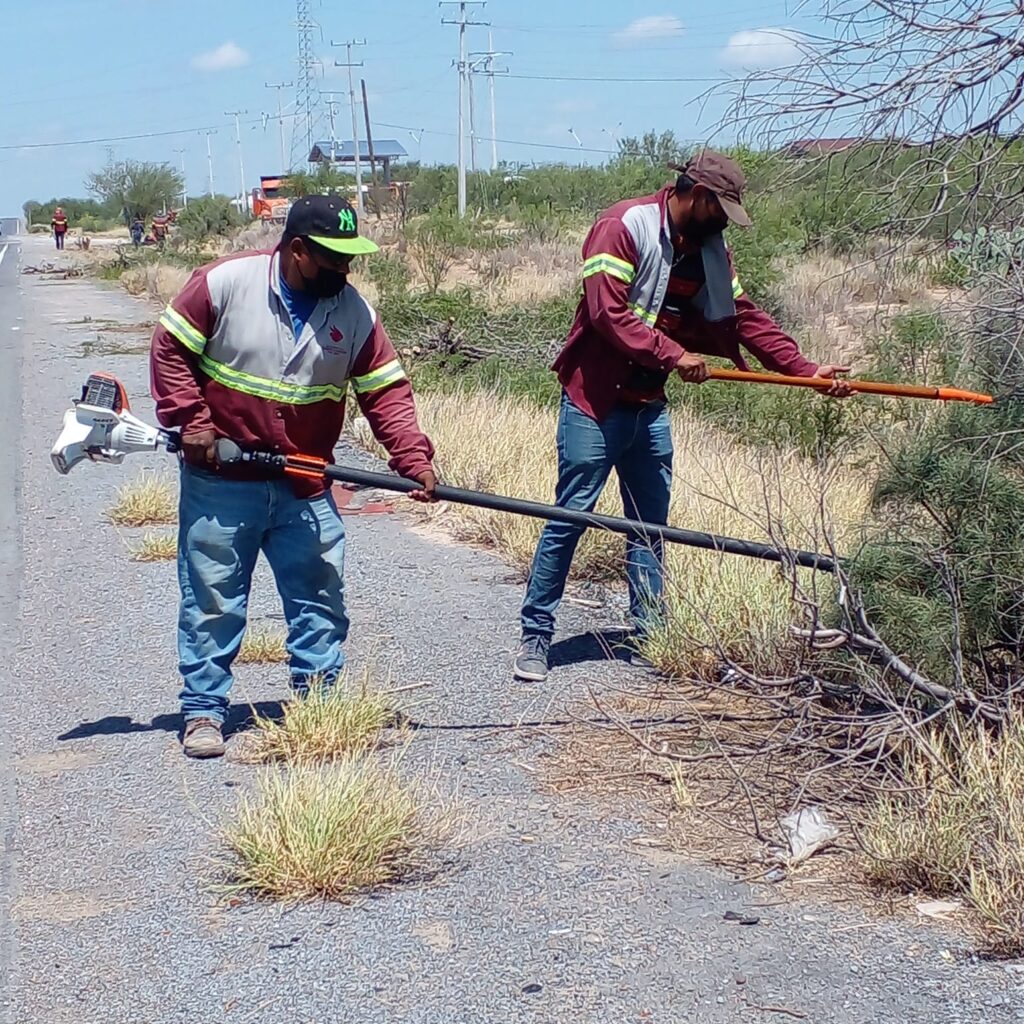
[(267, 202)]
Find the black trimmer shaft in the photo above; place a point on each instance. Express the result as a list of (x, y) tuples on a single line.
[(228, 453)]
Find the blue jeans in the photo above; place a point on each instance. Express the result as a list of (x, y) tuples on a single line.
[(637, 443), (223, 526)]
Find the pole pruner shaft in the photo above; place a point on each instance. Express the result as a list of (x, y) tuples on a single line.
[(306, 466), (867, 387)]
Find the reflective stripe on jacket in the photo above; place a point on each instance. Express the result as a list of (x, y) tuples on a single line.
[(225, 357), (627, 262)]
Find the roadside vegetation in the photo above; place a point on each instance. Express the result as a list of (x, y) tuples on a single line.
[(900, 676)]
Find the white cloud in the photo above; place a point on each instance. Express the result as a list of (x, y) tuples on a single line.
[(227, 55), (763, 48), (649, 29)]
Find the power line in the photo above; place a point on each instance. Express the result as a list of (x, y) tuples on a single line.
[(279, 86), (508, 142), (110, 138), (569, 78)]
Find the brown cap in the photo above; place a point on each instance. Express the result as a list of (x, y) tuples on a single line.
[(723, 176)]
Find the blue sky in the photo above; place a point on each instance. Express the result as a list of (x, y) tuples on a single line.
[(98, 69)]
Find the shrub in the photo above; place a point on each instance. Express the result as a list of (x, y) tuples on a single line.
[(206, 217), (942, 574), (436, 243)]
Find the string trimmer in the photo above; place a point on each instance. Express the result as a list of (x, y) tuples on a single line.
[(102, 428)]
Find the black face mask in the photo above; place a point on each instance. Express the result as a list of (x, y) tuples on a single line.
[(700, 231), (326, 284)]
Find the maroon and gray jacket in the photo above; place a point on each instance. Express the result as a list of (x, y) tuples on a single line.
[(619, 328), (224, 357)]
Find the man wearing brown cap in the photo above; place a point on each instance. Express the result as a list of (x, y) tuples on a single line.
[(659, 292)]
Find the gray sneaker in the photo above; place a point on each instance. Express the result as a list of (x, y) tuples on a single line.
[(203, 738), (532, 660)]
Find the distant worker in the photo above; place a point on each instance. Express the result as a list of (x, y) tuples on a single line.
[(659, 290), (160, 229), (262, 347), (138, 229), (59, 225)]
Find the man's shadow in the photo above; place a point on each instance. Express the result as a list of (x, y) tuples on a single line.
[(599, 645), (240, 718)]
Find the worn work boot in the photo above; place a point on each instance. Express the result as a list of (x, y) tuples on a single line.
[(202, 738), (532, 660)]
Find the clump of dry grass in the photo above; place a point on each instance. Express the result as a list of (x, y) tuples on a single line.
[(958, 827), (263, 646), (160, 281), (508, 447), (156, 547), (327, 832), (149, 500), (326, 724)]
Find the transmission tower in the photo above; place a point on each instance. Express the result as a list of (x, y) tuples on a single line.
[(309, 115)]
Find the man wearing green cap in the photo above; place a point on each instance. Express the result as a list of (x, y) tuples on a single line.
[(659, 293), (260, 348)]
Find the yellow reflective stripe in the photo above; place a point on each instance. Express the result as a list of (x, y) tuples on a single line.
[(647, 316), (737, 288), (264, 387), (606, 263), (182, 330), (382, 377)]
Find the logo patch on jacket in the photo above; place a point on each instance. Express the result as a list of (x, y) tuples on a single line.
[(335, 345)]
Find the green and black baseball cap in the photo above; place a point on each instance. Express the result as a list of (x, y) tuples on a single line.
[(329, 221)]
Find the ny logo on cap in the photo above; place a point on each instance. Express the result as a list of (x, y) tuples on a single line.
[(346, 220)]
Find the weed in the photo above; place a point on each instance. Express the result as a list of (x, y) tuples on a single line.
[(324, 725), (325, 832), (146, 501), (262, 646), (957, 827), (156, 547)]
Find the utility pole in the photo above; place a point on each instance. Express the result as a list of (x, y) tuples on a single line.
[(352, 103), (280, 117), (369, 137), (184, 190), (463, 23), (241, 166), (486, 60), (332, 104), (209, 157)]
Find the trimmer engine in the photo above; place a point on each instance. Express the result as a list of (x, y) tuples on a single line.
[(101, 427)]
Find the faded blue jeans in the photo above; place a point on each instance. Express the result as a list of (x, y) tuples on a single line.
[(223, 526), (636, 442)]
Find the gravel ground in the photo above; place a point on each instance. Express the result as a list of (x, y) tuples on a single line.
[(546, 912)]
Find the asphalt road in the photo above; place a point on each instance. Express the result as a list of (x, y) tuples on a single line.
[(547, 911), (11, 322)]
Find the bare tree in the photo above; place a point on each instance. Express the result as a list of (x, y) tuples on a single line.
[(928, 92)]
